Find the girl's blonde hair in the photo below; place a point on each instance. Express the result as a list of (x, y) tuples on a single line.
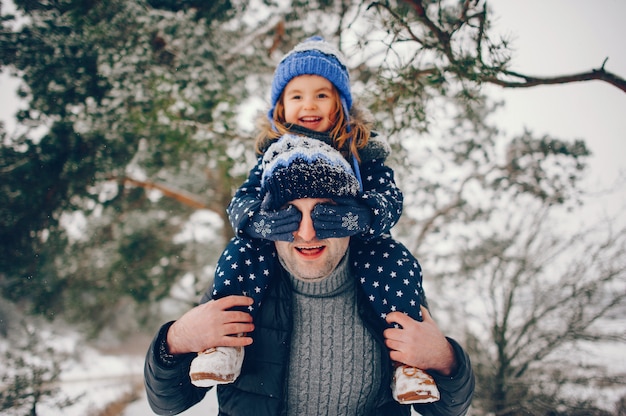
[(347, 137)]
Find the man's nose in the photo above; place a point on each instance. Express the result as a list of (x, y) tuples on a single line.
[(306, 232)]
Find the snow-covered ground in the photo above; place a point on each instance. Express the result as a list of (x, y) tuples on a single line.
[(100, 380)]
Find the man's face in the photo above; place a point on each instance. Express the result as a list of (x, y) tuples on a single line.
[(306, 257)]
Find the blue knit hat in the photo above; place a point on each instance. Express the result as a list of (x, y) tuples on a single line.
[(314, 56), (301, 167)]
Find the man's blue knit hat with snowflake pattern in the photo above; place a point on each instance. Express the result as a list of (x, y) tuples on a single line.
[(297, 167)]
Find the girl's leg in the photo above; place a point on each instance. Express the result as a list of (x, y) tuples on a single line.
[(392, 280), (244, 268), (389, 275)]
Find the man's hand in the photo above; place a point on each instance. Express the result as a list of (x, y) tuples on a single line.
[(211, 324), (419, 344)]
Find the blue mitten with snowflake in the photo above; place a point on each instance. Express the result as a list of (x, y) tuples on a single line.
[(343, 219), (276, 225)]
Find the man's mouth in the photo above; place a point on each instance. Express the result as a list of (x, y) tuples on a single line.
[(310, 251)]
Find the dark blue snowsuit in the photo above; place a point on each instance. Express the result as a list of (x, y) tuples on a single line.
[(388, 274)]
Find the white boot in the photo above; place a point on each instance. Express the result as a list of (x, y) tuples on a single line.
[(220, 365), (412, 385)]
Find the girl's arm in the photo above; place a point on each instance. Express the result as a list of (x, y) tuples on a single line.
[(381, 195), (248, 219), (372, 213), (247, 200)]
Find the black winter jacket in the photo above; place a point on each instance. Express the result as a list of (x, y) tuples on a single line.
[(260, 389)]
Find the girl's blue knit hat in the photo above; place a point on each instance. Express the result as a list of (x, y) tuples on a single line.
[(297, 167), (314, 56)]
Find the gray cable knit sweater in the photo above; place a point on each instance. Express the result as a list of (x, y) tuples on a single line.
[(335, 363)]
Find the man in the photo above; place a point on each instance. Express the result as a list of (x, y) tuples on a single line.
[(315, 347)]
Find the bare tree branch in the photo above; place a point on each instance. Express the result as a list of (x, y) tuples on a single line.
[(179, 195), (481, 71), (526, 81)]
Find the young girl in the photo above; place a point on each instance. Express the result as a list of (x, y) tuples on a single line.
[(311, 97)]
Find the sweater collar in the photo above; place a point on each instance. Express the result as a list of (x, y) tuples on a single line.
[(337, 282)]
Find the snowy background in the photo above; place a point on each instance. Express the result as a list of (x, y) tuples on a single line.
[(550, 37)]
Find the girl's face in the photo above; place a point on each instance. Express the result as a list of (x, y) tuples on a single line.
[(310, 101)]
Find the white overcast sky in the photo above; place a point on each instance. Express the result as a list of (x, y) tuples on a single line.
[(556, 37)]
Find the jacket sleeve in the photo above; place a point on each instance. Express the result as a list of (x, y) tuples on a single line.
[(381, 195), (456, 391), (168, 386), (246, 201)]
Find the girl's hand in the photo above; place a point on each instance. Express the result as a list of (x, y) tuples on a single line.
[(276, 225), (344, 218)]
